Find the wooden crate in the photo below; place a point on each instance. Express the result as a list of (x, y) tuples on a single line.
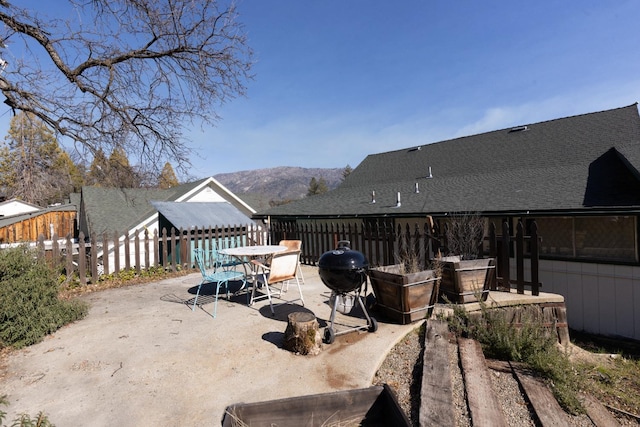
[(467, 280), (404, 298), (373, 406)]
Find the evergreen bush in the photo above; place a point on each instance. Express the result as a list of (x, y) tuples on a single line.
[(531, 343), (30, 307)]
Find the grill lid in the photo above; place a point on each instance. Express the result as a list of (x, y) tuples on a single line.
[(343, 259), (343, 270)]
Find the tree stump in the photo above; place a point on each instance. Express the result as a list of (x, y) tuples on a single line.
[(302, 335)]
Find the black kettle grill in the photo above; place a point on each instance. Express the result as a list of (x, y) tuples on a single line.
[(344, 271)]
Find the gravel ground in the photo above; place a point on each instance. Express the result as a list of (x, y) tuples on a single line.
[(402, 370)]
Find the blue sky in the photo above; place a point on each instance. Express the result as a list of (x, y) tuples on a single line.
[(338, 80)]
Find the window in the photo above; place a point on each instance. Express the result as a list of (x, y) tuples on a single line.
[(607, 238)]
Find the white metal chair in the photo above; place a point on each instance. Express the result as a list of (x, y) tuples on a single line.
[(217, 273), (281, 269), (294, 245)]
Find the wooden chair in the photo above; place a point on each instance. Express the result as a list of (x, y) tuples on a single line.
[(294, 245), (281, 269)]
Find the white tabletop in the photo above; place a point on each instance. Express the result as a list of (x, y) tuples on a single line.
[(252, 251)]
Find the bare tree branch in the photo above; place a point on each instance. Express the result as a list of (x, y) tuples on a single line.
[(131, 74)]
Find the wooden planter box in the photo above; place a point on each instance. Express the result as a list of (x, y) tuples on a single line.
[(467, 280), (404, 298), (373, 406)]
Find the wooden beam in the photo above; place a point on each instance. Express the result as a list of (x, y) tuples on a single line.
[(436, 399), (599, 415), (483, 404), (544, 404)]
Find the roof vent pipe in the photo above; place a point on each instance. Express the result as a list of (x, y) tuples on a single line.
[(430, 175), (398, 204), (373, 196), (417, 189)]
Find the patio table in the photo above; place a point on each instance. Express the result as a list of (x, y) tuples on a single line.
[(243, 252), (247, 253)]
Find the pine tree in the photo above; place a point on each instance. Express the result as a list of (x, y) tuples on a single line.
[(346, 172), (167, 178), (33, 167), (112, 172), (69, 175), (317, 187), (99, 170), (121, 174)]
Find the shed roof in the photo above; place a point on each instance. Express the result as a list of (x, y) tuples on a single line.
[(198, 214), (578, 163)]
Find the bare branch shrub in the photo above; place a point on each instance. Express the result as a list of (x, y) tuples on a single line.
[(464, 234)]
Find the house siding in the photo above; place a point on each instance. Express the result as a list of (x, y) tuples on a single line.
[(600, 298)]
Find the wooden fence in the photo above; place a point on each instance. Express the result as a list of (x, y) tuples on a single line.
[(380, 242), (60, 222), (112, 254)]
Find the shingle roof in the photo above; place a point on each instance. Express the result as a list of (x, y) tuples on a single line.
[(575, 163), (120, 209)]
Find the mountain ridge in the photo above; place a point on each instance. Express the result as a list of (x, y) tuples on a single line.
[(261, 188)]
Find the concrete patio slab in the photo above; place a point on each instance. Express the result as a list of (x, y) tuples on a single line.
[(142, 357)]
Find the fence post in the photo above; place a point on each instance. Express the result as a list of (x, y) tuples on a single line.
[(55, 251), (82, 259), (504, 255), (136, 250), (40, 246), (105, 253), (127, 251), (156, 249), (493, 251), (535, 259), (94, 258), (116, 252), (165, 249), (173, 249), (147, 261), (391, 240), (69, 269), (183, 248), (520, 257)]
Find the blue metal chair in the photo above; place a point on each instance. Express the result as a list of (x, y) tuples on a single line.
[(224, 261), (217, 274)]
